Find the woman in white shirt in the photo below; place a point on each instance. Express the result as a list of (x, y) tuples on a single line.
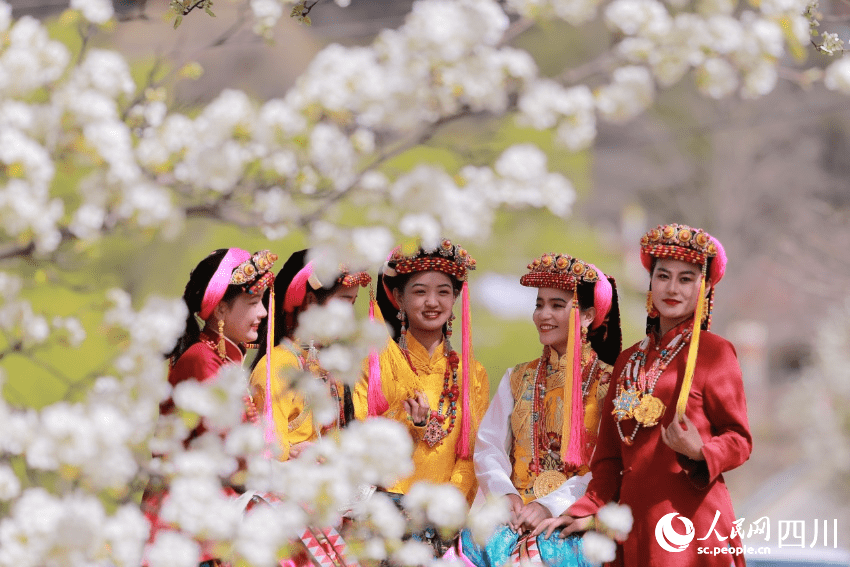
[(535, 442)]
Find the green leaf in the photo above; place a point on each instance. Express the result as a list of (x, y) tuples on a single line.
[(177, 20), (208, 11)]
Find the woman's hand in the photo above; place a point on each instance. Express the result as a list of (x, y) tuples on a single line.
[(251, 413), (516, 504), (568, 524), (683, 438), (418, 409), (532, 515), (298, 448)]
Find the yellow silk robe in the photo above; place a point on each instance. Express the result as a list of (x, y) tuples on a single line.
[(522, 388), (438, 464), (293, 420)]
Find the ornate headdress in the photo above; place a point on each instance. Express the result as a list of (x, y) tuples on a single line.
[(562, 271), (693, 245), (297, 289), (455, 261), (238, 267), (681, 242), (448, 258)]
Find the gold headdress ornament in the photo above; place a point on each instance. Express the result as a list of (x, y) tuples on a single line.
[(256, 267)]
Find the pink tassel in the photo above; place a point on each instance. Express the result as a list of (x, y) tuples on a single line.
[(269, 433), (463, 447), (576, 444), (375, 400)]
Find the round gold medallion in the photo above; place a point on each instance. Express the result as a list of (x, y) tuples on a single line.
[(649, 411), (547, 482)]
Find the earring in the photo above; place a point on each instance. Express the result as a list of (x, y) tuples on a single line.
[(448, 347), (222, 351), (650, 306), (312, 362), (402, 340), (706, 308), (583, 335)]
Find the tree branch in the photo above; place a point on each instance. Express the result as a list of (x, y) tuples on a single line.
[(516, 29), (582, 72), (423, 136)]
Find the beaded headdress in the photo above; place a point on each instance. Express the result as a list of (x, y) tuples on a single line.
[(238, 267), (562, 271), (455, 261), (448, 258), (682, 242), (297, 289), (693, 245)]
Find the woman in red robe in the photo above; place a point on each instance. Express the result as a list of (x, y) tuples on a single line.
[(674, 420), (225, 291)]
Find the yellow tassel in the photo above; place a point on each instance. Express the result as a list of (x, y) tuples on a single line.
[(567, 369), (692, 354)]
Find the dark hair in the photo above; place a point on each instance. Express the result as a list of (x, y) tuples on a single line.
[(193, 296), (286, 323), (399, 282), (607, 339)]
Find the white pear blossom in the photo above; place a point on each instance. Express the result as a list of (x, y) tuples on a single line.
[(327, 323), (125, 532), (638, 17), (831, 43), (95, 11), (483, 522), (630, 92), (5, 16), (617, 517), (717, 78), (598, 548), (441, 505), (837, 76), (172, 549), (10, 485), (31, 60), (414, 553)]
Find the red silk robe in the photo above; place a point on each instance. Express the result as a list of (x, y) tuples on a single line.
[(201, 362), (654, 480)]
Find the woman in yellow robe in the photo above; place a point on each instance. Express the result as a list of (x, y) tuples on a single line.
[(422, 381), (297, 289)]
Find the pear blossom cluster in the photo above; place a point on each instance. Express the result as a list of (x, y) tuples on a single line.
[(69, 471)]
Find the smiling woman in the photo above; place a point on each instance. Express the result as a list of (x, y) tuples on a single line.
[(224, 293), (535, 442), (675, 418), (421, 380)]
